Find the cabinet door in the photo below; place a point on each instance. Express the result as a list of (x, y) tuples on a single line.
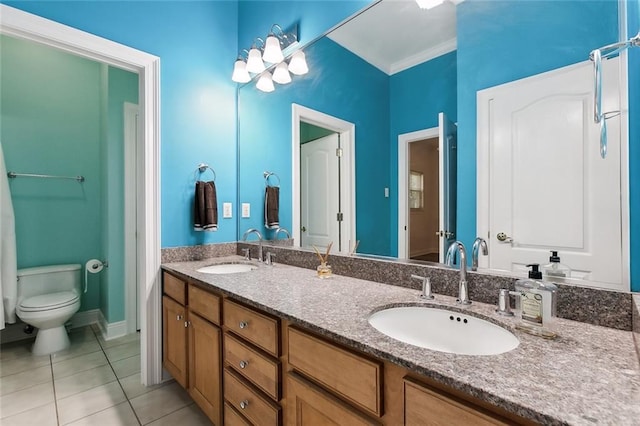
[(309, 405), (174, 340), (204, 367)]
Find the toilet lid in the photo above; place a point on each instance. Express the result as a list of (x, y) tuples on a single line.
[(49, 301)]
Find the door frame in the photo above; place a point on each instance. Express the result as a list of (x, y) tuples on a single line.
[(347, 133), (131, 112), (26, 26), (403, 177), (483, 156)]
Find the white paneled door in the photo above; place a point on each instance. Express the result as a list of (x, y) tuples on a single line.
[(546, 186)]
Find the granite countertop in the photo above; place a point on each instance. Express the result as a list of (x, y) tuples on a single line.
[(589, 375)]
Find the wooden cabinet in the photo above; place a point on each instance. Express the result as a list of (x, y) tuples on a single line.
[(310, 405), (192, 342), (255, 327), (174, 340)]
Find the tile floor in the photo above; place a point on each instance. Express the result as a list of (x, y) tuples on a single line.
[(94, 382)]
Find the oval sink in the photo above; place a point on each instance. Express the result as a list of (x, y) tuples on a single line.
[(444, 331), (226, 268)]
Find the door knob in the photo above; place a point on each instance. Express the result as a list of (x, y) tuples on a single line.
[(303, 228), (439, 233), (504, 238)]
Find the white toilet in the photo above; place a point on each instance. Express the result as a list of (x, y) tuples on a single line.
[(48, 296)]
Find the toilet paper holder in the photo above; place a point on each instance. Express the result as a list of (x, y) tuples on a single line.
[(93, 266)]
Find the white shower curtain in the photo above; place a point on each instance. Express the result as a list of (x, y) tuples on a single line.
[(8, 261)]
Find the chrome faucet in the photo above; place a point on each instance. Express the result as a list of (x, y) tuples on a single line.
[(479, 243), (279, 230), (463, 288), (254, 231)]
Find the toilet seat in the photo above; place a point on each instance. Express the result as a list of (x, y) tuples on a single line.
[(45, 302)]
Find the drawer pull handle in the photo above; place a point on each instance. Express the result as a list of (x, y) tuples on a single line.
[(243, 324), (243, 364), (244, 404), (179, 317)]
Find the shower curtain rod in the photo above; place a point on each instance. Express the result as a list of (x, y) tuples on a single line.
[(612, 49), (13, 175)]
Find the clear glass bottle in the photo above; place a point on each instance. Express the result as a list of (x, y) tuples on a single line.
[(555, 269), (537, 304)]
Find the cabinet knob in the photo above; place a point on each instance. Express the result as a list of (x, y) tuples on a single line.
[(179, 317), (243, 364), (187, 323), (244, 404), (243, 324)]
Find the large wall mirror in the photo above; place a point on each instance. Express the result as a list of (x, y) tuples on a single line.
[(408, 97)]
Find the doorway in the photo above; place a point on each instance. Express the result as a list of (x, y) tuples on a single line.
[(330, 162), (22, 25)]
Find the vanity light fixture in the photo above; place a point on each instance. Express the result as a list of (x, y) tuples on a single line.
[(254, 61), (281, 74), (265, 82), (298, 63), (429, 4), (240, 73)]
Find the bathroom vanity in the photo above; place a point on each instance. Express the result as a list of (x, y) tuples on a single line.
[(277, 345)]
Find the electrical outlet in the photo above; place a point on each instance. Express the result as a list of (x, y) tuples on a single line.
[(227, 212), (246, 210)]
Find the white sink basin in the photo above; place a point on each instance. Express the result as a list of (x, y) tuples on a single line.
[(226, 268), (444, 331)]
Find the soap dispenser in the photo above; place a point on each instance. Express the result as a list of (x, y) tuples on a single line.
[(555, 269), (536, 304)]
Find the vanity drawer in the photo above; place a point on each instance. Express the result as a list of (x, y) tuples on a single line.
[(352, 376), (257, 409), (255, 367), (257, 328), (204, 303), (175, 288), (426, 405), (232, 417)]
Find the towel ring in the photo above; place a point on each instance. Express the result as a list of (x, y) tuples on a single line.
[(267, 175), (203, 167)]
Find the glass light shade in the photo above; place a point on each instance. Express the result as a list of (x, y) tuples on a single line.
[(298, 64), (272, 51), (429, 4), (240, 73), (265, 83), (281, 74), (254, 62)]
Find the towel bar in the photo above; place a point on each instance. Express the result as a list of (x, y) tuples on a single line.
[(13, 175)]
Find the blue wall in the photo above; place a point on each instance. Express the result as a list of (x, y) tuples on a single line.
[(633, 12), (197, 42), (418, 95), (339, 84), (507, 39)]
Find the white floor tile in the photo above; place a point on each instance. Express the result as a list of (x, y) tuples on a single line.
[(133, 337), (78, 364), (85, 380), (26, 399), (190, 415), (160, 402), (127, 350), (126, 367), (82, 335), (89, 402), (44, 415), (19, 381), (76, 349), (16, 349), (23, 363), (133, 387), (119, 415)]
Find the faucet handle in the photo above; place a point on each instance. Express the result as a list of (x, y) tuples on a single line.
[(269, 258), (504, 304), (426, 286), (247, 253)]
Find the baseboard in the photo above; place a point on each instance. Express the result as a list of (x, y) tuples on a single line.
[(111, 330)]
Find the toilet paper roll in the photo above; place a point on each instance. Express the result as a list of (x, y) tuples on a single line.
[(93, 266)]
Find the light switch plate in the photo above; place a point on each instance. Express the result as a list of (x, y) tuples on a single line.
[(246, 210), (227, 210), (386, 192)]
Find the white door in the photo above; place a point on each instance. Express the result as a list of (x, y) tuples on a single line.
[(448, 158), (320, 195), (548, 188)]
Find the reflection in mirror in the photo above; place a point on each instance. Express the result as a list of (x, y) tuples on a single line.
[(483, 44)]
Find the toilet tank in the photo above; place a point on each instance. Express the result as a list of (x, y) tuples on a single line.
[(48, 279)]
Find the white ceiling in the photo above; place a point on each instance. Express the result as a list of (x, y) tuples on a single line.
[(395, 35)]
